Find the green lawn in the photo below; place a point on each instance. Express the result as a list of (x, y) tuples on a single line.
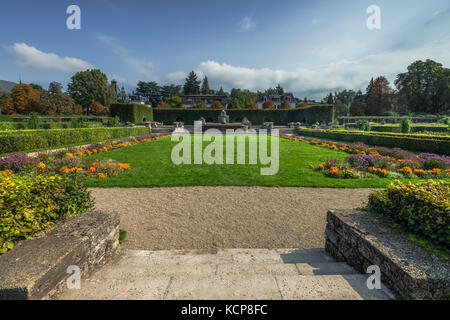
[(151, 166)]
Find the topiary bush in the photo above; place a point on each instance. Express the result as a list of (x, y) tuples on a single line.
[(405, 125), (129, 112), (422, 208), (34, 122), (31, 204), (363, 125)]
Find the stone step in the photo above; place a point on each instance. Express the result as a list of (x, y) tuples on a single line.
[(327, 268), (230, 287), (224, 256)]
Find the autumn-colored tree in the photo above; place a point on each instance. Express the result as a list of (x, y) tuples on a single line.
[(356, 108), (54, 101), (302, 104), (217, 105), (380, 97), (252, 105), (25, 99), (6, 105), (162, 105), (96, 109), (77, 109), (268, 104), (285, 105)]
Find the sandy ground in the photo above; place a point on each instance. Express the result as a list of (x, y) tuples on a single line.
[(225, 217)]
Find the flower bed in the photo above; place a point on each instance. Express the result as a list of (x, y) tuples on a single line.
[(366, 162)]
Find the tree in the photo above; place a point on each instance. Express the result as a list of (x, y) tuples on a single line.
[(329, 99), (37, 87), (54, 101), (34, 122), (221, 92), (217, 105), (285, 105), (356, 108), (425, 87), (174, 102), (252, 105), (6, 105), (111, 96), (162, 105), (380, 97), (200, 104), (405, 125), (77, 109), (340, 108), (243, 97), (25, 99), (55, 88), (192, 84), (205, 86), (279, 90), (96, 108), (170, 91), (150, 90), (88, 86), (302, 104), (268, 104), (233, 103)]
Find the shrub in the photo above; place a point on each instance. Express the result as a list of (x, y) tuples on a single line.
[(405, 125), (128, 112), (285, 105), (217, 105), (115, 121), (31, 204), (15, 141), (34, 122), (13, 125), (363, 125), (423, 208), (268, 105), (96, 108)]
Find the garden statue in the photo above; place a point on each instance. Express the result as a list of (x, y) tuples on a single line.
[(224, 118)]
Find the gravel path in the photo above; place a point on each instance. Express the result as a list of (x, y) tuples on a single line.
[(225, 217)]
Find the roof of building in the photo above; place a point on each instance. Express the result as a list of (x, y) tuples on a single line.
[(6, 86)]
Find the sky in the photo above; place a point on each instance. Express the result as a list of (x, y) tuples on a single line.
[(309, 47)]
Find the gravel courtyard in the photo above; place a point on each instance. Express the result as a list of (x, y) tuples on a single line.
[(225, 217)]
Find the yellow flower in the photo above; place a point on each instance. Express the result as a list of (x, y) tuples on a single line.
[(101, 176), (311, 166), (79, 154), (41, 166), (69, 155), (64, 170)]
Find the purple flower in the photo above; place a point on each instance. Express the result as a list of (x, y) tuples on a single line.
[(18, 162)]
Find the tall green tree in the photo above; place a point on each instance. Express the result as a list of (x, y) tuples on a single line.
[(170, 91), (54, 101), (221, 92), (205, 86), (150, 90), (425, 87), (380, 97), (88, 86), (192, 84)]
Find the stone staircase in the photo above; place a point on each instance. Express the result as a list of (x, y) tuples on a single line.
[(226, 274)]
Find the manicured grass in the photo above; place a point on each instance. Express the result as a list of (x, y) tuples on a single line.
[(151, 166)]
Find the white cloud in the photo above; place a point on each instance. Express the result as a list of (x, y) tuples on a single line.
[(316, 82), (177, 77), (245, 24), (141, 67), (29, 56)]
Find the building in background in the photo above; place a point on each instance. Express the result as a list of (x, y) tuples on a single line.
[(189, 101), (277, 99)]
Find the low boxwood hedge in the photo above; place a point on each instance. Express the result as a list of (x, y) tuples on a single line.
[(412, 142), (396, 128), (422, 208), (24, 140), (31, 204)]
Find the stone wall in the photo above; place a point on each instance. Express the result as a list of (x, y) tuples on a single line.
[(38, 267), (363, 239)]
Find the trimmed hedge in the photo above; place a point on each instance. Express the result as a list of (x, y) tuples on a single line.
[(15, 141), (396, 128), (423, 208), (130, 112), (31, 204), (4, 125), (308, 115), (422, 143)]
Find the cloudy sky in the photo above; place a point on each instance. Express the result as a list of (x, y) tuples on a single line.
[(309, 47)]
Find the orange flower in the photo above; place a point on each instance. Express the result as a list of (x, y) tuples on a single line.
[(69, 155), (92, 169), (435, 171), (406, 171), (7, 171), (79, 154), (311, 166), (334, 171), (419, 172), (101, 176), (124, 166), (41, 166), (321, 167), (64, 170)]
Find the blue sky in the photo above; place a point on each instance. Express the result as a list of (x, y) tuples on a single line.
[(310, 47)]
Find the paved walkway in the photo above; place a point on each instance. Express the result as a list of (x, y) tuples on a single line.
[(289, 274)]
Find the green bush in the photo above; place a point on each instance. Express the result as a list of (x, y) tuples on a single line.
[(129, 112), (34, 122), (363, 125), (423, 208), (309, 115), (413, 142), (13, 125), (31, 204), (24, 140), (405, 125)]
